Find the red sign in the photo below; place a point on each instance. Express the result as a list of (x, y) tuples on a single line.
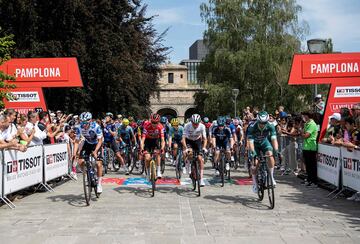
[(323, 68), (341, 70), (26, 99), (44, 72)]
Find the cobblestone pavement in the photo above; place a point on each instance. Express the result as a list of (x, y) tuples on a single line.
[(232, 214)]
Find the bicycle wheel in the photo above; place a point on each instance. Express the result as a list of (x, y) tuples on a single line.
[(271, 191), (105, 162), (260, 183), (86, 184), (162, 165), (197, 170), (152, 177), (193, 175), (222, 169)]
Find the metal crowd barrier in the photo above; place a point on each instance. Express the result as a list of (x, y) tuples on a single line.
[(38, 165), (290, 148)]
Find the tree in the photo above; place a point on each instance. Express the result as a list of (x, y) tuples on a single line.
[(6, 44), (251, 44), (118, 50)]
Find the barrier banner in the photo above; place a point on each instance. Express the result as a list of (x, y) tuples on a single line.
[(350, 168), (56, 161), (328, 164), (22, 169)]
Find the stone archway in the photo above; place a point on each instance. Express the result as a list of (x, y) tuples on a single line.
[(168, 112)]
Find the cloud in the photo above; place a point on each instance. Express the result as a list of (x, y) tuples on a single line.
[(334, 19)]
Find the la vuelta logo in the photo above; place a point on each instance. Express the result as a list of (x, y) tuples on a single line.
[(335, 107)]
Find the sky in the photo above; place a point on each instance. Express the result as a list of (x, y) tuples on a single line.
[(336, 19)]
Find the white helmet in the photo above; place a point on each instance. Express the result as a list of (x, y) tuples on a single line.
[(85, 116), (195, 118)]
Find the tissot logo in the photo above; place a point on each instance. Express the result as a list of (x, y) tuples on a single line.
[(347, 91), (16, 166), (56, 157), (28, 96)]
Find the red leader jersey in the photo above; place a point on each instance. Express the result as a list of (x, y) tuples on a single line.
[(150, 132)]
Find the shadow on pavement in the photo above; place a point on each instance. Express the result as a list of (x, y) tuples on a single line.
[(250, 202), (72, 199), (317, 197)]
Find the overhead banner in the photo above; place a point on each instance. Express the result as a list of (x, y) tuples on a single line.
[(25, 99), (350, 169), (43, 72), (328, 164), (340, 70), (22, 169), (56, 161)]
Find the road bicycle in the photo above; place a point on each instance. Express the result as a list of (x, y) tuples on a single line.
[(195, 170), (152, 172), (90, 179), (264, 180)]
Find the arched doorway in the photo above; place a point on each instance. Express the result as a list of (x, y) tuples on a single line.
[(168, 112), (189, 112)]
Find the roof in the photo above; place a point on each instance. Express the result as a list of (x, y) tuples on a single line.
[(173, 67)]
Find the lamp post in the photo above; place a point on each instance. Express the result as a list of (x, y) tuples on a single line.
[(235, 93), (317, 46)]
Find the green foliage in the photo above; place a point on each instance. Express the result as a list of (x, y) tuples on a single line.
[(6, 44), (251, 45), (117, 48)]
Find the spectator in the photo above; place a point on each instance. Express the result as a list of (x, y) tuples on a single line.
[(272, 120), (319, 105), (345, 113), (11, 116), (350, 134), (7, 137), (282, 126), (33, 124), (25, 136), (334, 125), (356, 111), (59, 115), (310, 148)]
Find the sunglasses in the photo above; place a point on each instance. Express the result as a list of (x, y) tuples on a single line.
[(194, 124)]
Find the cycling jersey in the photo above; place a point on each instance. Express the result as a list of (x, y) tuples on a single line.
[(167, 128), (223, 135), (232, 128), (257, 135), (207, 127), (239, 132), (126, 133), (91, 135), (194, 134), (176, 134), (108, 137), (151, 132)]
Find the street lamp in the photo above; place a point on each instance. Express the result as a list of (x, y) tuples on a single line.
[(316, 46), (235, 93)]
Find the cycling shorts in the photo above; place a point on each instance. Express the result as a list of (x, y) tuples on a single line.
[(88, 148), (151, 145), (263, 147), (195, 145), (113, 145), (223, 145)]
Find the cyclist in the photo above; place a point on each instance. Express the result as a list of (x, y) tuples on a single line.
[(126, 139), (152, 136), (207, 124), (258, 138), (231, 126), (110, 133), (222, 139), (93, 141), (194, 138), (175, 136)]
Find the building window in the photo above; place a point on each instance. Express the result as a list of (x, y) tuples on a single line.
[(171, 77), (181, 76)]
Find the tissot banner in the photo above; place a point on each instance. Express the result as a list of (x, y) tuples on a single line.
[(328, 164), (22, 169), (351, 169), (56, 161)]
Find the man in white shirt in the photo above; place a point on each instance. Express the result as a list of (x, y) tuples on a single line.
[(39, 135), (7, 136)]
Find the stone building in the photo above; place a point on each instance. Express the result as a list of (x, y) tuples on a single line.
[(175, 97)]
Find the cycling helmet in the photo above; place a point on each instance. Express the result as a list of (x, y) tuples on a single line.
[(262, 117), (139, 122), (109, 114), (163, 120), (175, 122), (155, 118), (228, 120), (85, 116), (196, 118), (221, 121), (236, 122), (206, 119), (126, 122)]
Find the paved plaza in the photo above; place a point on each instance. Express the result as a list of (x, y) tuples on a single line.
[(232, 214)]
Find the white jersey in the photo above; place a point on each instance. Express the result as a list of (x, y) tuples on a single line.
[(194, 134), (91, 135)]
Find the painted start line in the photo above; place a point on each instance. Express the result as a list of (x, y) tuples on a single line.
[(172, 181)]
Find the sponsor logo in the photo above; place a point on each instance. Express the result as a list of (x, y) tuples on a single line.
[(31, 96), (347, 91), (327, 160), (335, 107), (17, 166), (56, 157), (351, 164)]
